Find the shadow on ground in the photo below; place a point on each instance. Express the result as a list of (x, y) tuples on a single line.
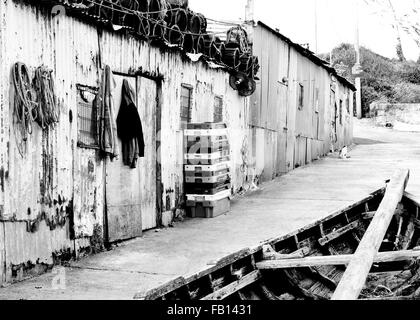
[(364, 141)]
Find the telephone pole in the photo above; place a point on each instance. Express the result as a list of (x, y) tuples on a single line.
[(249, 19), (357, 69), (316, 26)]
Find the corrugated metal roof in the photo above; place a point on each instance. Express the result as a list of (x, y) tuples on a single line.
[(219, 29), (310, 55)]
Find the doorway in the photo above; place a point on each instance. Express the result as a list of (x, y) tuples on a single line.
[(334, 115), (131, 193)]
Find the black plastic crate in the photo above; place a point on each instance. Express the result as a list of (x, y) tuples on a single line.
[(206, 188), (214, 179), (208, 209), (206, 174)]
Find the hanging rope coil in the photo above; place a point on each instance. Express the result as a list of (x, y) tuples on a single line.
[(34, 101), (47, 109), (24, 109)]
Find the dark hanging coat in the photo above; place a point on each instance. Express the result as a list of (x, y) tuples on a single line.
[(106, 124), (129, 127)]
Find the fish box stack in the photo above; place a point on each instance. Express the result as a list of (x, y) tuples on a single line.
[(207, 170)]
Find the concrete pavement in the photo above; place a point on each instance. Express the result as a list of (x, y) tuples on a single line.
[(279, 207)]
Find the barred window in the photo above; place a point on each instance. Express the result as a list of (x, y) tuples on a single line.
[(218, 109), (186, 105), (87, 117)]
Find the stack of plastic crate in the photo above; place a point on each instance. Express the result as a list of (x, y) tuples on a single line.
[(207, 170)]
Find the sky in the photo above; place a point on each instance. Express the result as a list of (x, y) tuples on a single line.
[(336, 22)]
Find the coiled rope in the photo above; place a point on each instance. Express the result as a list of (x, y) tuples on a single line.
[(47, 111), (33, 101), (24, 108)]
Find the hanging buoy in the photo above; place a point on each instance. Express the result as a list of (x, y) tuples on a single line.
[(245, 65), (199, 44), (231, 57), (178, 17), (143, 6), (158, 30), (210, 47), (178, 3), (175, 36), (144, 27), (197, 23), (157, 9), (189, 43)]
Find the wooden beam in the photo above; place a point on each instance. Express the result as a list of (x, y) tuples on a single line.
[(234, 286), (273, 255), (161, 290), (415, 199), (335, 260), (338, 233), (354, 277), (392, 298)]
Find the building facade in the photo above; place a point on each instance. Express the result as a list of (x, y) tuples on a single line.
[(301, 109), (59, 198)]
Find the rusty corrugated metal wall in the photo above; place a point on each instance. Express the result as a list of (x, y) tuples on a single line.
[(284, 135), (55, 178)]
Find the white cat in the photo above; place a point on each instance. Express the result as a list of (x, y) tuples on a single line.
[(344, 153)]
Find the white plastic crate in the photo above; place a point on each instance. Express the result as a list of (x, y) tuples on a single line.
[(214, 167), (214, 197), (210, 132)]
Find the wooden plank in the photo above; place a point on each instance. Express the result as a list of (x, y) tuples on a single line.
[(272, 255), (413, 198), (338, 233), (234, 286), (322, 277), (161, 290), (358, 269), (335, 260), (231, 258), (392, 298), (147, 105)]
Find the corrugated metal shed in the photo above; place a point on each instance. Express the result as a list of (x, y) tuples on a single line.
[(287, 134), (53, 198), (55, 178)]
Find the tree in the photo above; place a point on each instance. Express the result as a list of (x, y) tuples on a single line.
[(384, 79), (387, 10), (410, 22), (407, 19)]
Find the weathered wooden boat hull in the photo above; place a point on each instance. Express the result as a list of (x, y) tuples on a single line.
[(248, 275)]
